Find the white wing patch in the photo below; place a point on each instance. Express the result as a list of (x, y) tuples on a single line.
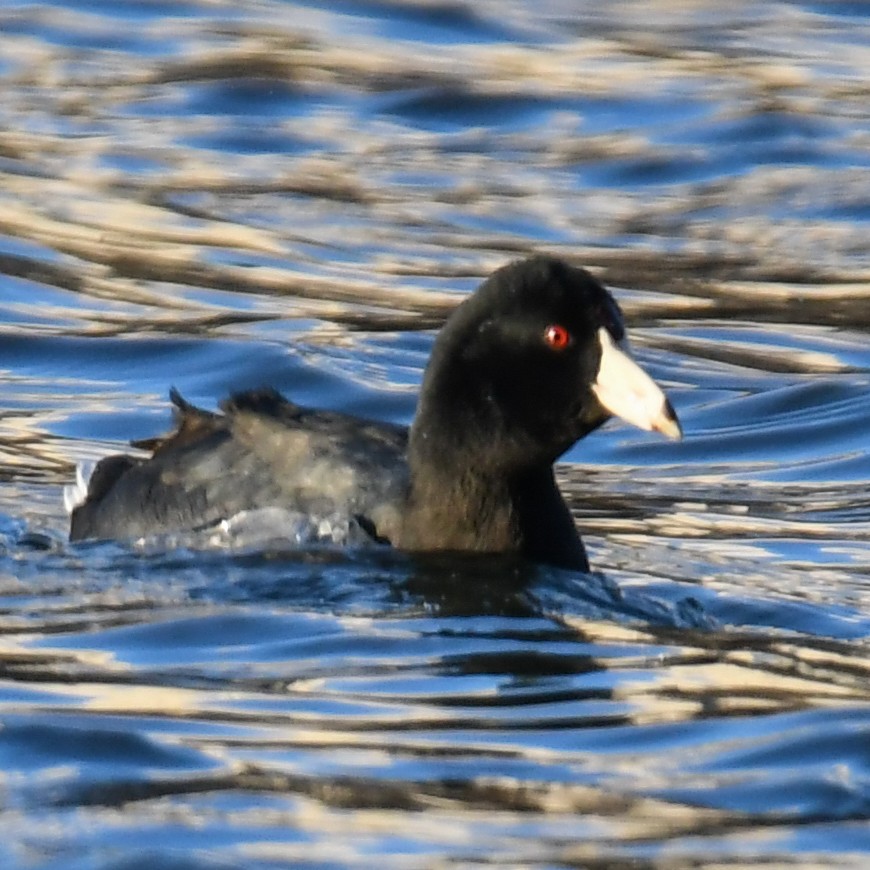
[(76, 494)]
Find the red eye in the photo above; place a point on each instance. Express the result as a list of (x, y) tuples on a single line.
[(557, 337)]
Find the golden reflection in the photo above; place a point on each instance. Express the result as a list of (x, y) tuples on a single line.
[(710, 161), (734, 673)]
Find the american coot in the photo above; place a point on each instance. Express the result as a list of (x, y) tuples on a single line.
[(531, 362)]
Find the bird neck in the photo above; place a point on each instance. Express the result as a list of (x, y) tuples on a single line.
[(463, 503)]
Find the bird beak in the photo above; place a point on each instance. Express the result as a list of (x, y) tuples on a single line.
[(627, 391)]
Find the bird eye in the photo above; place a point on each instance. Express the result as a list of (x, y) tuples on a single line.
[(557, 337)]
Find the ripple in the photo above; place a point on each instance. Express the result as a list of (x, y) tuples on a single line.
[(221, 196)]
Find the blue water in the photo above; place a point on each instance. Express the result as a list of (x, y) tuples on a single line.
[(218, 196)]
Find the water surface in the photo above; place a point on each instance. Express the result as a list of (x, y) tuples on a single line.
[(219, 195)]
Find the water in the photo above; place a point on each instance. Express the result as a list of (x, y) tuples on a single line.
[(220, 195)]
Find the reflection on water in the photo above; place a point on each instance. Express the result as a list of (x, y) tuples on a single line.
[(220, 195)]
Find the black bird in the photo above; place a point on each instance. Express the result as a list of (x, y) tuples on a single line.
[(530, 363)]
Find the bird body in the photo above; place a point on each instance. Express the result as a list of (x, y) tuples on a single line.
[(525, 367)]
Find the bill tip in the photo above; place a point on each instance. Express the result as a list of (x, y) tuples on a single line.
[(668, 423)]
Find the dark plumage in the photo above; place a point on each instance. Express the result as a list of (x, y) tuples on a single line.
[(525, 367)]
